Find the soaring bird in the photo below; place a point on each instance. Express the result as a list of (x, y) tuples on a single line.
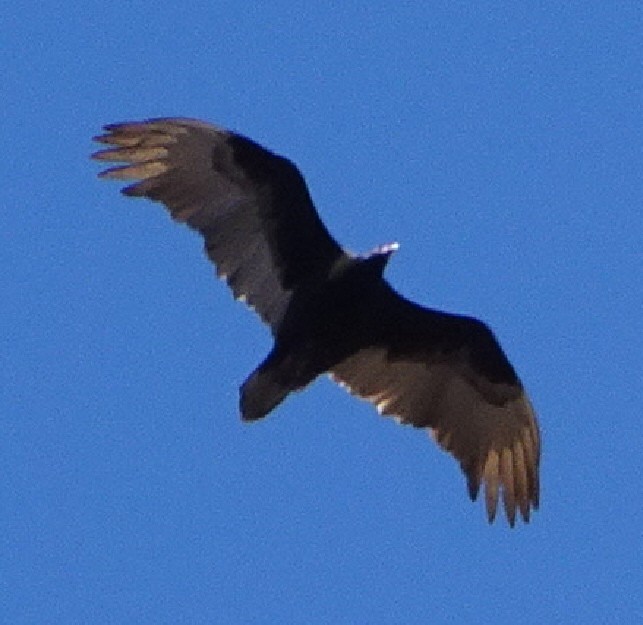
[(330, 311)]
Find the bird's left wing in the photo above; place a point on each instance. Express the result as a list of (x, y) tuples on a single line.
[(448, 373)]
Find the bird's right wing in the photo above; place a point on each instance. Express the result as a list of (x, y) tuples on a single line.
[(252, 207), (447, 373)]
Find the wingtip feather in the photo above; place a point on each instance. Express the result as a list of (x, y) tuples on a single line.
[(491, 479), (135, 172)]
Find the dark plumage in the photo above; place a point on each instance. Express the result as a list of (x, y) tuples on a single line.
[(332, 312)]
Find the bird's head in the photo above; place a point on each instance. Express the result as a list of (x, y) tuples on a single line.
[(379, 257)]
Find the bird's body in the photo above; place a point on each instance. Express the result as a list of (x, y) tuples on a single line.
[(330, 311), (325, 323)]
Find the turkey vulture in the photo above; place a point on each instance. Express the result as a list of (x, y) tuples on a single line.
[(330, 311)]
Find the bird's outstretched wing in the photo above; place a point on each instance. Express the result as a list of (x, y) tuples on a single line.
[(449, 374), (252, 207)]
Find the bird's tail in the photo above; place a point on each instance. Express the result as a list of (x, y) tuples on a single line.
[(269, 384)]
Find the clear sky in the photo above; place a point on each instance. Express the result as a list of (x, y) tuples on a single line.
[(500, 143)]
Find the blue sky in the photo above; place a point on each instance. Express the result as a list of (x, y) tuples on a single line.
[(501, 145)]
